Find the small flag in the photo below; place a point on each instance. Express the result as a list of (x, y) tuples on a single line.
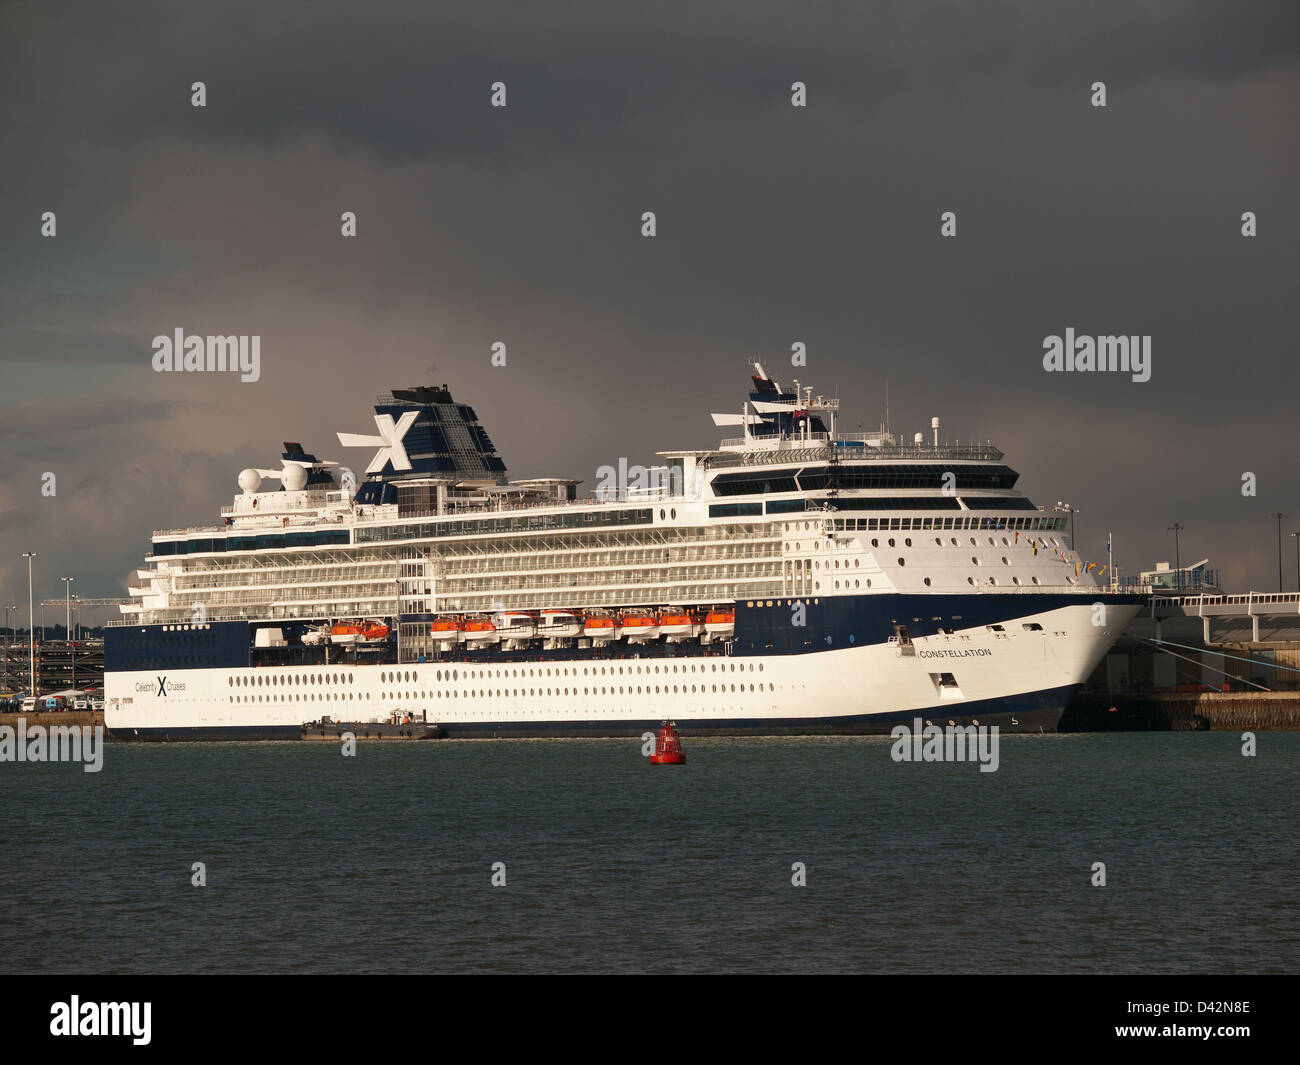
[(1091, 566), (1076, 569), (1017, 536), (1101, 571)]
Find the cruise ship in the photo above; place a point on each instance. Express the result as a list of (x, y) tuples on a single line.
[(791, 580)]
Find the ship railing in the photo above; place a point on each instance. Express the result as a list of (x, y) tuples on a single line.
[(798, 450)]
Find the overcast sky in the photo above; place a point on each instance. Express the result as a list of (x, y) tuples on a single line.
[(776, 224)]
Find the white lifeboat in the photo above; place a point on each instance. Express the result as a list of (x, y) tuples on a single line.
[(559, 625), (516, 628)]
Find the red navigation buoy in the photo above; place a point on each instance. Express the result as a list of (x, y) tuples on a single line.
[(668, 746)]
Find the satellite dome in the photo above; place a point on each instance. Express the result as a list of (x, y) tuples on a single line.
[(294, 477), (250, 480)]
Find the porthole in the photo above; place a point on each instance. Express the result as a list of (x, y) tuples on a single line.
[(970, 580), (927, 582), (875, 542), (891, 541), (974, 561), (908, 542), (902, 562), (868, 582), (1034, 579), (1004, 561)]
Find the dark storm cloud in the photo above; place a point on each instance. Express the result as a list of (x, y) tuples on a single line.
[(411, 80), (775, 224)]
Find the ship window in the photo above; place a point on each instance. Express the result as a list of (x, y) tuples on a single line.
[(927, 582), (1034, 579), (902, 562), (970, 580)]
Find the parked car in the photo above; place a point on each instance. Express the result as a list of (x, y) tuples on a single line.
[(96, 703), (29, 704), (81, 703)]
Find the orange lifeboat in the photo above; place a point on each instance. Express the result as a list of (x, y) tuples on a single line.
[(668, 746), (447, 630), (720, 622), (373, 632), (345, 632), (481, 630), (678, 624), (640, 625), (599, 626)]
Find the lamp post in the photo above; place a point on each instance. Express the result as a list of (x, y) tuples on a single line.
[(1296, 537), (67, 607), (31, 621), (10, 607), (1175, 528), (1279, 515)]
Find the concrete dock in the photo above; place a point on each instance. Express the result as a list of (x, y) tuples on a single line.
[(1183, 711)]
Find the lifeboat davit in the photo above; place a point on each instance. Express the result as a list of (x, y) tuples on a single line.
[(639, 626), (677, 624), (600, 626), (721, 622), (447, 630), (668, 746), (481, 630), (559, 625), (316, 637)]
